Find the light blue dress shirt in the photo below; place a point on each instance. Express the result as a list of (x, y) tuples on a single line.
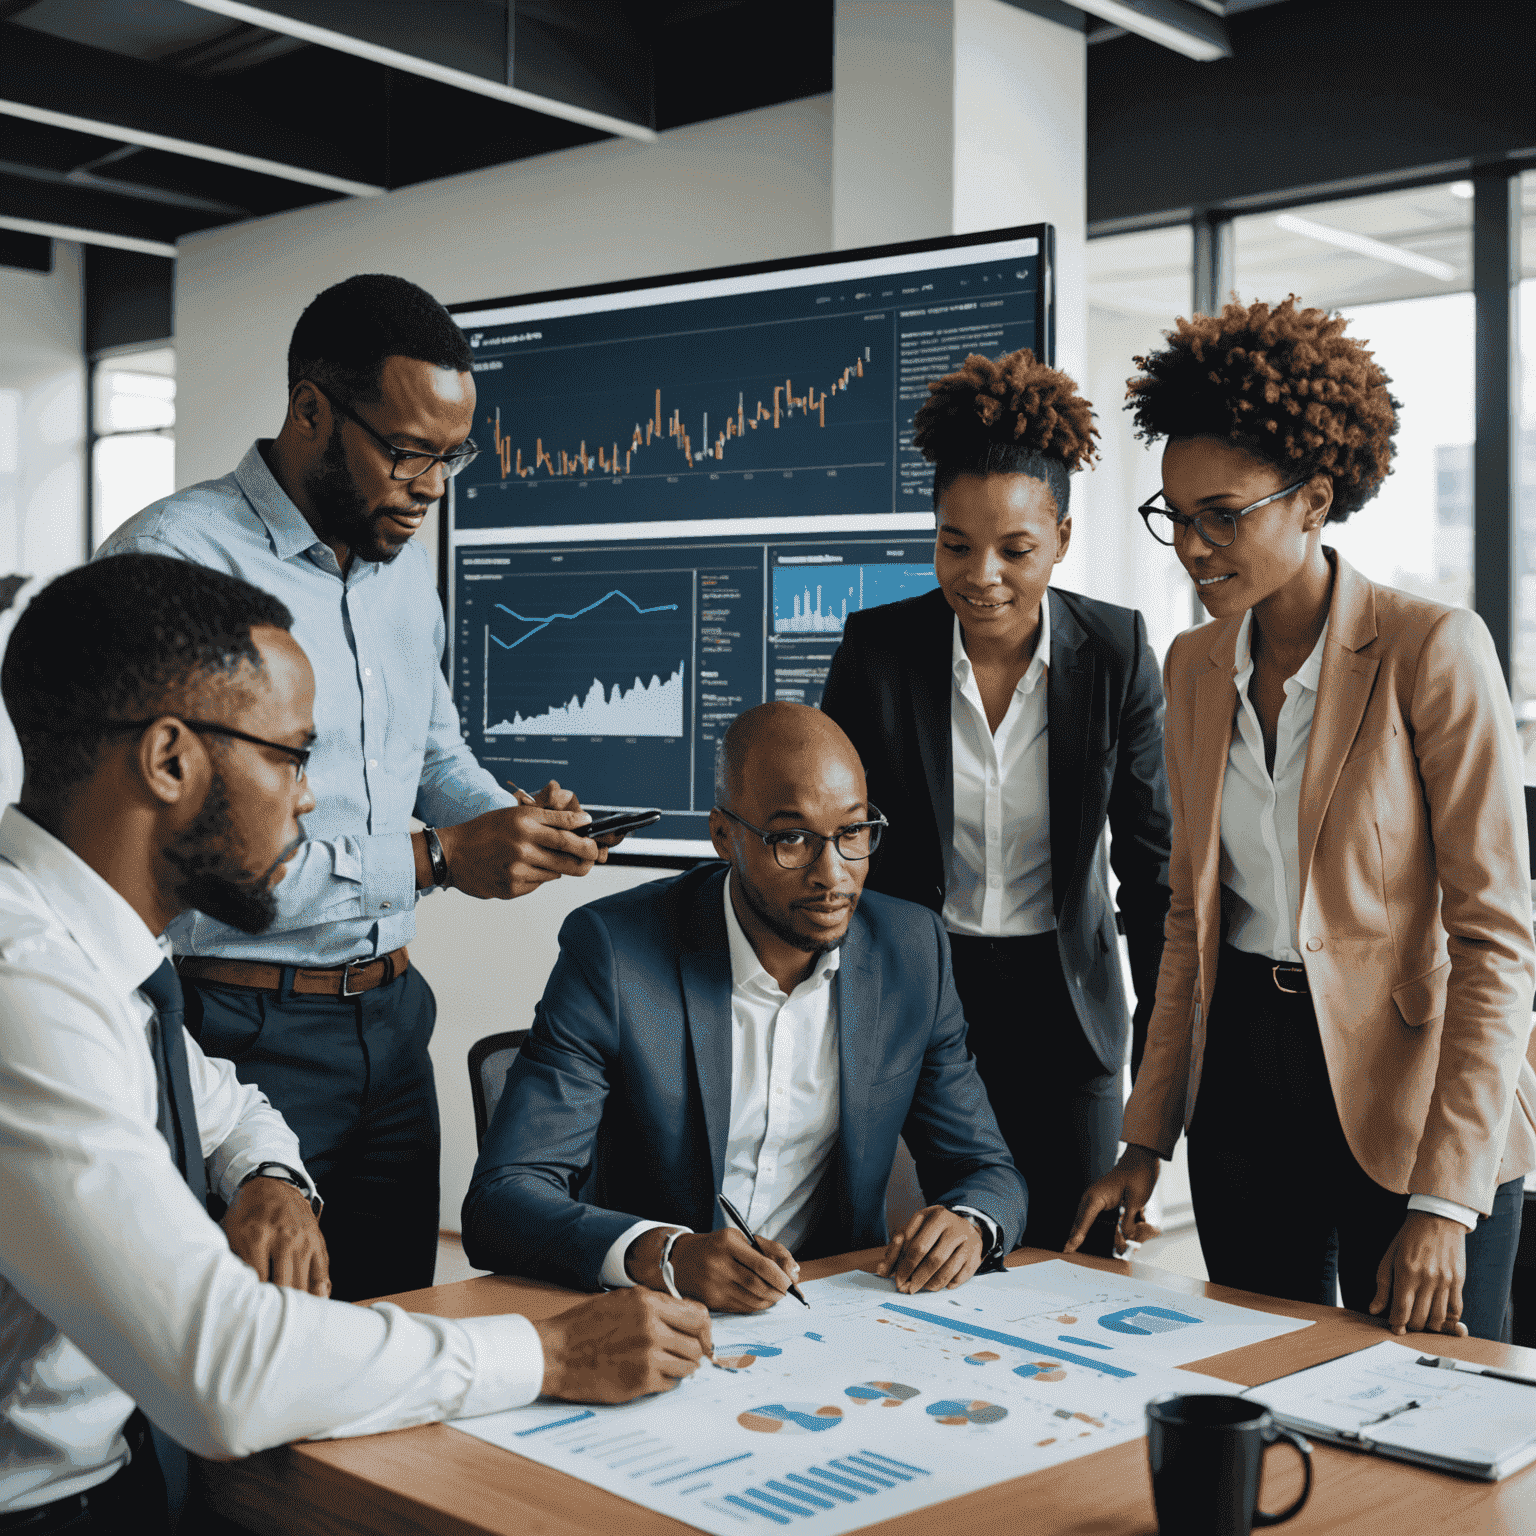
[(389, 741)]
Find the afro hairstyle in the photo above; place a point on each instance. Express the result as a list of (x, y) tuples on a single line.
[(344, 335), (1009, 416), (1281, 382)]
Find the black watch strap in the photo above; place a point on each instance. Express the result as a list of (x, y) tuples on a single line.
[(437, 858), (287, 1175)]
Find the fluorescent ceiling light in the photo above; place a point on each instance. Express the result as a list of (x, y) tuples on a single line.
[(413, 64), (86, 236), (104, 128), (1363, 245), (1159, 23)]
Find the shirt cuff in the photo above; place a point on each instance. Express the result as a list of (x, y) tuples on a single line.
[(389, 875), (245, 1162), (508, 1364), (1435, 1205), (993, 1230), (614, 1274)]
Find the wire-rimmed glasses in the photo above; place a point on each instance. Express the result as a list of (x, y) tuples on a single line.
[(799, 848), (1217, 527), (409, 463), (299, 755)]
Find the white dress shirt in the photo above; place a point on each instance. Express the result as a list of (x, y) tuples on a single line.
[(786, 1088), (1260, 832), (1000, 859), (115, 1286)]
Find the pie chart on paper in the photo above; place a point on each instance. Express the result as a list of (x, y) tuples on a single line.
[(791, 1418)]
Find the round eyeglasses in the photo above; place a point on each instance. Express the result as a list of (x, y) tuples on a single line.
[(797, 848), (1217, 527)]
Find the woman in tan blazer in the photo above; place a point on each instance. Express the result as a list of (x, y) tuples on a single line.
[(1344, 1003)]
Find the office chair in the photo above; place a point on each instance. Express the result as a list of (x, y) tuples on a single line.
[(489, 1061)]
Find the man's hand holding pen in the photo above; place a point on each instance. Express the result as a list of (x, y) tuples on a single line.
[(722, 1269)]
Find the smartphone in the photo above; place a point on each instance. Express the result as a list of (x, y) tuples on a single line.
[(619, 821)]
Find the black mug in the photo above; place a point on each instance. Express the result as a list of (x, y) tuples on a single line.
[(1206, 1454)]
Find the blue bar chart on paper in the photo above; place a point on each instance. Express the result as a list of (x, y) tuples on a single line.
[(888, 1403)]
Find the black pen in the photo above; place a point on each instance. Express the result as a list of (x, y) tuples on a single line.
[(1441, 1362), (735, 1215)]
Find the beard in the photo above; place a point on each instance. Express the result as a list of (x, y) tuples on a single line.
[(779, 927), (211, 878), (344, 515)]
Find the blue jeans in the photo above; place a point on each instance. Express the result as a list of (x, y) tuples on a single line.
[(352, 1077)]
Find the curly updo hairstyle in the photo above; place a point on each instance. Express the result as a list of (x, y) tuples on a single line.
[(1011, 416), (1281, 382)]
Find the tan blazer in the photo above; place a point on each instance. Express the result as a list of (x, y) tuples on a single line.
[(1415, 915)]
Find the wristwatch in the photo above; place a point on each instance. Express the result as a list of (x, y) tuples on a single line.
[(991, 1240), (438, 860), (287, 1175)]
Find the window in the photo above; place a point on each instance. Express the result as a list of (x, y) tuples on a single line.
[(1523, 668), (1398, 266), (133, 448)]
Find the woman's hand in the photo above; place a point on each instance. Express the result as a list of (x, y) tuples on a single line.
[(1126, 1188), (1421, 1274)]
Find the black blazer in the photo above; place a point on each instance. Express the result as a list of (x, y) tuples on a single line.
[(889, 689)]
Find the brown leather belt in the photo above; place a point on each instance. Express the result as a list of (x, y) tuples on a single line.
[(330, 981)]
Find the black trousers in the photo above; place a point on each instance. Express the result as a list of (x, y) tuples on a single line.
[(1057, 1107), (1282, 1205), (352, 1077)]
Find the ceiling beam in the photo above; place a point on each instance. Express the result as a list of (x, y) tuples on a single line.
[(69, 212), (353, 26), (132, 102), (1186, 26)]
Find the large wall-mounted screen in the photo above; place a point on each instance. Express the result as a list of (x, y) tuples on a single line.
[(686, 485)]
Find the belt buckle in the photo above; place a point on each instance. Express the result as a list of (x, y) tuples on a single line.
[(1286, 966), (347, 989)]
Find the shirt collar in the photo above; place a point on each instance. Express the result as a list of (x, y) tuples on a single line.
[(1307, 674), (747, 970), (1038, 663), (288, 527), (99, 920)]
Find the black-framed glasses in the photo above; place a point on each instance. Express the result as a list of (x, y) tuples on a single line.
[(1217, 528), (299, 755), (409, 463), (799, 848)]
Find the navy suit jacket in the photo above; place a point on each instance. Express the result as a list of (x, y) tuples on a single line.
[(889, 689), (618, 1105)]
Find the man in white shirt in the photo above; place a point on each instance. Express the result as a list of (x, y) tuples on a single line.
[(165, 716), (764, 1031)]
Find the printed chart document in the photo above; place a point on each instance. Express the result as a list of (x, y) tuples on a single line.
[(873, 1403), (1383, 1400)]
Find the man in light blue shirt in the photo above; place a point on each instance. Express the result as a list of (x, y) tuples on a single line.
[(323, 1012)]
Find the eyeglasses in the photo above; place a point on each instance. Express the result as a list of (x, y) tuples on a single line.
[(797, 848), (300, 755), (1218, 529), (409, 463)]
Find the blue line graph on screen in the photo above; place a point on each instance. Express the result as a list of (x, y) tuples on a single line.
[(561, 659)]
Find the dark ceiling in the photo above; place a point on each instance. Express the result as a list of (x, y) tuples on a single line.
[(313, 123)]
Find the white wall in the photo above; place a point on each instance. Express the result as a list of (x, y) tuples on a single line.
[(42, 440), (741, 189)]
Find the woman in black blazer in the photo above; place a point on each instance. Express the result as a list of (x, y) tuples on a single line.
[(1001, 725)]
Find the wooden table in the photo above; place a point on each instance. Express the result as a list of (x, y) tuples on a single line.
[(437, 1480)]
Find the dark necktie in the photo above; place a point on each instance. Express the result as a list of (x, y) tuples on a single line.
[(177, 1113), (176, 1117)]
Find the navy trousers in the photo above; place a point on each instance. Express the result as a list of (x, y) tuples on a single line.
[(1058, 1109), (352, 1077), (1282, 1206)]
